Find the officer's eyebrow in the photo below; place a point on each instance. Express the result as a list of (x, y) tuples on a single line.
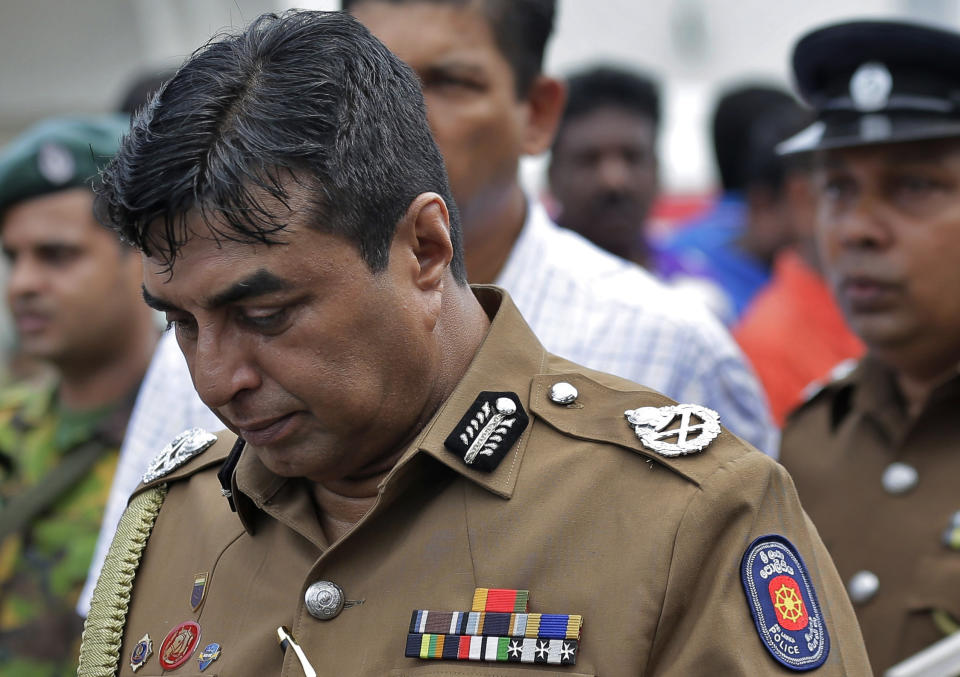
[(256, 284), (155, 303)]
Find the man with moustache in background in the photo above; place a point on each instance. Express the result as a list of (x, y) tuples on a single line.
[(874, 453)]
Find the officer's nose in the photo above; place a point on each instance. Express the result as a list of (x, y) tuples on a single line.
[(25, 277), (864, 225), (223, 367)]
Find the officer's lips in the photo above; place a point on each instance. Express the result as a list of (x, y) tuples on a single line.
[(265, 431), (31, 322), (865, 293)]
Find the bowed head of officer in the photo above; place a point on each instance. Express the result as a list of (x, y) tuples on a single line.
[(263, 231)]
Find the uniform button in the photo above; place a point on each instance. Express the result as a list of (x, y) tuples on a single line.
[(863, 586), (563, 393), (324, 600), (899, 478), (505, 406)]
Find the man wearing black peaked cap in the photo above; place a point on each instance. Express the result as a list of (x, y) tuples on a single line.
[(874, 453)]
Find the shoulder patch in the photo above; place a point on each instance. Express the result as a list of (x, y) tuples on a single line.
[(181, 449), (784, 604)]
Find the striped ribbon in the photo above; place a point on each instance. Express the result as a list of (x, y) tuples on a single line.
[(500, 600), (499, 649), (491, 624)]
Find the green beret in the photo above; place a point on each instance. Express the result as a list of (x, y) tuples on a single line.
[(58, 154)]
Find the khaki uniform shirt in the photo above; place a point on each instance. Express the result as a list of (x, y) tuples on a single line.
[(647, 549), (837, 447)]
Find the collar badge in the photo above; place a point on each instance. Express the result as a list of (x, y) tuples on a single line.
[(492, 424)]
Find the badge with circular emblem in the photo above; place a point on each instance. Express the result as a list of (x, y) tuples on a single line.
[(676, 430), (178, 645), (141, 652), (784, 603)]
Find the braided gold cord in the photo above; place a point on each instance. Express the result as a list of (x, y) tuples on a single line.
[(103, 629), (945, 622)]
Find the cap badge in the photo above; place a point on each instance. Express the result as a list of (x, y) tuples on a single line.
[(488, 430), (181, 449), (141, 652), (199, 590), (55, 163), (784, 603), (697, 427), (210, 653), (498, 628), (870, 87)]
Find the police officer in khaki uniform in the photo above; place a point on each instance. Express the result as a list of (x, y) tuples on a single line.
[(418, 487), (874, 453)]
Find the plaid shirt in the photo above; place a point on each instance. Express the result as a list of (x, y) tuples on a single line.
[(611, 315)]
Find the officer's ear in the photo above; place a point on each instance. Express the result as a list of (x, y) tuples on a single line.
[(421, 243), (544, 105)]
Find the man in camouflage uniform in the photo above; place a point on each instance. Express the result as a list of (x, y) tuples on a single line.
[(73, 291)]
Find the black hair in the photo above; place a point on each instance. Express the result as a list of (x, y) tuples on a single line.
[(139, 92), (300, 99), (748, 122), (521, 29), (611, 86)]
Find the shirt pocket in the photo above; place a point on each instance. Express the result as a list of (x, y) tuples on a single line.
[(463, 669)]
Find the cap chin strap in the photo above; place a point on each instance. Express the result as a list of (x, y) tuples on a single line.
[(103, 629)]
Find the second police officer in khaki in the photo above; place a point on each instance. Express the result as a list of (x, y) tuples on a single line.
[(423, 489), (874, 454)]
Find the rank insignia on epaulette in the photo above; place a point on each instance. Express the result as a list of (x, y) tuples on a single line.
[(676, 430), (491, 426), (141, 652), (199, 590), (508, 634), (181, 449), (784, 604)]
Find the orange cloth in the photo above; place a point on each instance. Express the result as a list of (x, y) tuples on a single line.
[(793, 333)]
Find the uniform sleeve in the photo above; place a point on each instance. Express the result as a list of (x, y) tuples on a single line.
[(707, 626)]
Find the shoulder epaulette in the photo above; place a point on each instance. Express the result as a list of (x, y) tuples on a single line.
[(686, 438), (189, 452)]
